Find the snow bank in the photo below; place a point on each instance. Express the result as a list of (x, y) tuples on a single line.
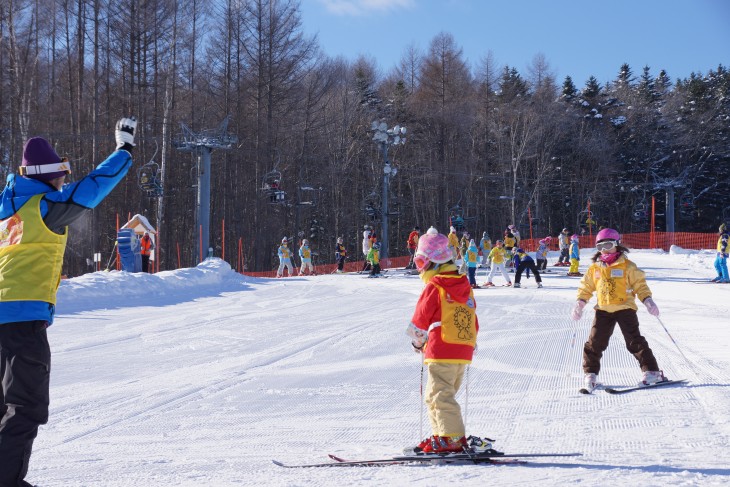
[(210, 276)]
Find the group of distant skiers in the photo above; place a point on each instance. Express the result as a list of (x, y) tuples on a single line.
[(505, 253), (285, 258)]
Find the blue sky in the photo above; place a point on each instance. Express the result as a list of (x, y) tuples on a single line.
[(577, 38)]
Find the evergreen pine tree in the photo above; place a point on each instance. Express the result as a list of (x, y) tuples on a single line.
[(662, 83), (569, 89), (645, 87), (592, 88), (625, 77), (511, 85)]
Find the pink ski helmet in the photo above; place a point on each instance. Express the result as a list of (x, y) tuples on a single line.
[(574, 236), (432, 247), (608, 234)]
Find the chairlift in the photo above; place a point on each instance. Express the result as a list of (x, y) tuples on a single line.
[(726, 214), (457, 218), (271, 187), (308, 195), (586, 221), (686, 205), (148, 177), (149, 180), (641, 212), (371, 206)]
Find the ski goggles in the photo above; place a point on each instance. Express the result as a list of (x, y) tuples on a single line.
[(606, 245), (62, 166)]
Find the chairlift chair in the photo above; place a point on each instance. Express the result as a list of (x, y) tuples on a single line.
[(686, 205), (371, 206), (726, 214), (640, 212), (587, 221), (148, 179), (271, 187), (308, 195)]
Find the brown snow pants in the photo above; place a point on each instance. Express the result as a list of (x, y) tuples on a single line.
[(444, 412), (603, 326)]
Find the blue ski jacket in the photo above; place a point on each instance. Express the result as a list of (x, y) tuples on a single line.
[(59, 208)]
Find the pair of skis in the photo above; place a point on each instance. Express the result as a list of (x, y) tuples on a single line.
[(463, 458), (623, 390)]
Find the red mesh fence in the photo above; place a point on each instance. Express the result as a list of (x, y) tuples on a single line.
[(648, 240)]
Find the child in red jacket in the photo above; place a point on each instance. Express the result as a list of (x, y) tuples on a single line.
[(444, 328)]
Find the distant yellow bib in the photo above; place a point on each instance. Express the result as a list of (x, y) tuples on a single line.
[(31, 256), (497, 255), (458, 320)]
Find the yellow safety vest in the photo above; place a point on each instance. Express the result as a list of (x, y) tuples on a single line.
[(458, 320), (31, 256)]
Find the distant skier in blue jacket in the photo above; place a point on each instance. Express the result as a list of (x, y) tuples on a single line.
[(36, 208)]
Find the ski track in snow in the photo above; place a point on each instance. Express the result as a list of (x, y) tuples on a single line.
[(207, 391)]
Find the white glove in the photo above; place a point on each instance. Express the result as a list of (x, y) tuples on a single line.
[(418, 337), (578, 310), (651, 307), (124, 132)]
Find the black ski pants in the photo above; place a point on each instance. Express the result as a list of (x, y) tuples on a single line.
[(527, 264), (25, 370), (145, 263)]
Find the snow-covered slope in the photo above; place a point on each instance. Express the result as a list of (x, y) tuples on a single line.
[(201, 376)]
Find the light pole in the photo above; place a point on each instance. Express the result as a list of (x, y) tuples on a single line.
[(385, 137)]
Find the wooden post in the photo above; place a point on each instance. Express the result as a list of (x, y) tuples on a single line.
[(652, 235)]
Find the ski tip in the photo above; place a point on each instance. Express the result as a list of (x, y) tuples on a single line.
[(278, 463), (584, 391)]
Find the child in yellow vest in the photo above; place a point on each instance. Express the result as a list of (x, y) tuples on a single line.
[(616, 281), (574, 257), (498, 257), (444, 328), (305, 254)]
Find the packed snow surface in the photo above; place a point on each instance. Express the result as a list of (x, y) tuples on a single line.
[(202, 376)]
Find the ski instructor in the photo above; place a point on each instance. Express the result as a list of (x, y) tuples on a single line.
[(35, 211)]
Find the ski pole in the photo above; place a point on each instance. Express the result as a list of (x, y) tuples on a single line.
[(420, 419), (112, 255), (676, 345), (466, 397)]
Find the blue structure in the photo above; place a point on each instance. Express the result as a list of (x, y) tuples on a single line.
[(129, 250)]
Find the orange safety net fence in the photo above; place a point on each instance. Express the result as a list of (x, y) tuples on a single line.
[(648, 240)]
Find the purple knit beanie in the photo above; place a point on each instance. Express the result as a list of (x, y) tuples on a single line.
[(38, 152)]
